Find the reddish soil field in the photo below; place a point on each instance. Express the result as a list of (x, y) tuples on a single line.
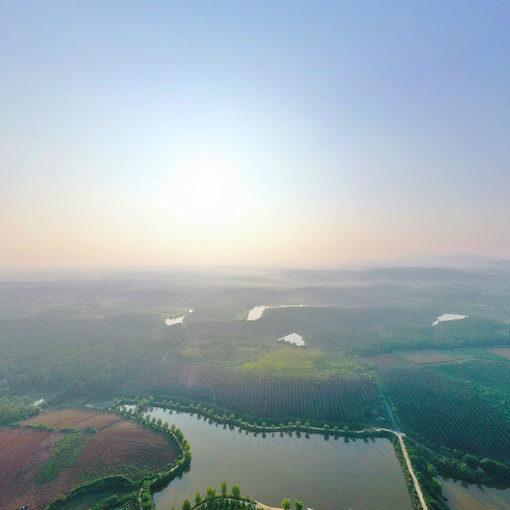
[(501, 351), (74, 418), (386, 360), (23, 452), (426, 356), (119, 447), (123, 444)]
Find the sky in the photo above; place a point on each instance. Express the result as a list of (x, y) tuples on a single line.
[(165, 133)]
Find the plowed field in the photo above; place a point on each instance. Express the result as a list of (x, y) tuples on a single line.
[(73, 418), (118, 447)]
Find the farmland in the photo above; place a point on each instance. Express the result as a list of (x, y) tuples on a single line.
[(448, 412), (38, 466), (344, 399), (73, 418), (368, 335)]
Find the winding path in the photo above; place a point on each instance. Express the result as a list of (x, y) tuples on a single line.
[(266, 507)]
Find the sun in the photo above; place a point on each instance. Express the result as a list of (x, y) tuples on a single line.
[(207, 190)]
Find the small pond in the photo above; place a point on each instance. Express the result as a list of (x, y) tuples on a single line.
[(293, 338), (178, 320), (256, 312), (448, 317)]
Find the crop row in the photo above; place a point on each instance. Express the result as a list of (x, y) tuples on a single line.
[(447, 412), (268, 395)]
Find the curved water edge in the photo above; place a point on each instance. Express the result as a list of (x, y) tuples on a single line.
[(293, 338), (178, 320), (465, 496), (449, 317), (325, 472), (257, 311)]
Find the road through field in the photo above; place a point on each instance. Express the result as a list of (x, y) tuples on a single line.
[(410, 468), (417, 487)]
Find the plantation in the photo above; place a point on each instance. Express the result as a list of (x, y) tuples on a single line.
[(447, 411), (73, 343), (482, 375), (345, 399)]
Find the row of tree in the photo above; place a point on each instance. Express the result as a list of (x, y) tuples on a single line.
[(226, 500)]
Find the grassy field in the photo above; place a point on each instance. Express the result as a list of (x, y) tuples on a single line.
[(299, 360), (65, 455)]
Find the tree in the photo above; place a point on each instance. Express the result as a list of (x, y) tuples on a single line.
[(224, 489), (286, 504), (198, 498), (471, 460), (210, 492), (299, 505), (236, 491), (186, 505)]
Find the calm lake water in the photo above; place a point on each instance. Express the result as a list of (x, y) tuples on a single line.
[(463, 496), (256, 312), (293, 338), (448, 317), (324, 474), (178, 320)]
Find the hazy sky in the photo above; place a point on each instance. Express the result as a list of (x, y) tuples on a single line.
[(300, 132)]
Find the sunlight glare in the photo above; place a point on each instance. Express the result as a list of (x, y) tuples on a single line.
[(207, 190)]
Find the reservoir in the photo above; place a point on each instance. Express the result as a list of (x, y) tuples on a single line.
[(293, 338), (448, 317), (178, 320), (332, 474), (256, 312)]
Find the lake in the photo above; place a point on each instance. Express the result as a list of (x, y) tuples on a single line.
[(293, 338), (325, 474), (178, 320), (256, 312), (448, 317), (463, 496)]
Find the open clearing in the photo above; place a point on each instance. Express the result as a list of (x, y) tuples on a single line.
[(118, 447), (426, 356), (386, 360), (73, 418), (501, 351)]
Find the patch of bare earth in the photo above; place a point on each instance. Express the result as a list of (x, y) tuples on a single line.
[(386, 360), (23, 452), (426, 356), (73, 418), (501, 351), (122, 444), (118, 447)]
